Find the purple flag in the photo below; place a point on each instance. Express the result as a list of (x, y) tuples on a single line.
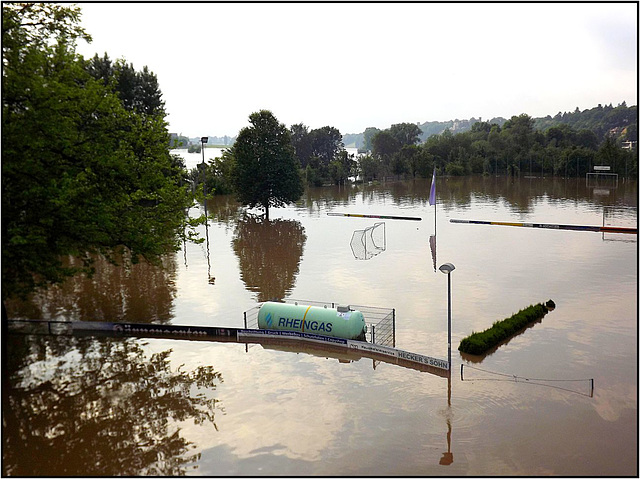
[(432, 195)]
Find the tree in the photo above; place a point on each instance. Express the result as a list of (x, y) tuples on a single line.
[(369, 167), (369, 133), (385, 145), (266, 171), (406, 133), (409, 158), (326, 143), (138, 91), (80, 173), (342, 167), (301, 143), (317, 150)]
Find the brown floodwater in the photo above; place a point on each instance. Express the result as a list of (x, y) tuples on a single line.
[(86, 405)]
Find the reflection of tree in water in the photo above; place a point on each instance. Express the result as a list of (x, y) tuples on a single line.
[(139, 292), (108, 411), (269, 253)]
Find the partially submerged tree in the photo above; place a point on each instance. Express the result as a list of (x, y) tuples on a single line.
[(83, 171), (266, 171)]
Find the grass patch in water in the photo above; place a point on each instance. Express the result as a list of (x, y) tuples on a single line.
[(479, 343)]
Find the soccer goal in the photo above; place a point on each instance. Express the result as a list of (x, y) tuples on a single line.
[(369, 242)]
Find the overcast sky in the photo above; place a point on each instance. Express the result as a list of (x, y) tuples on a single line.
[(355, 65)]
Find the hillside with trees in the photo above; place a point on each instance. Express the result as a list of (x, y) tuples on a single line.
[(515, 147), (621, 121)]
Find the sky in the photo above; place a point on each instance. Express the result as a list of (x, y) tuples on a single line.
[(358, 65)]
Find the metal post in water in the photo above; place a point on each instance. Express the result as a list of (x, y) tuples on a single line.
[(394, 326), (449, 322), (204, 140), (447, 268)]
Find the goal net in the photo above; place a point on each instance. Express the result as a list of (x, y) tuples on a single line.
[(369, 242)]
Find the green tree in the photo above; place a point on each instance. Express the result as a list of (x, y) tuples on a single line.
[(266, 171), (369, 167), (369, 133), (326, 143), (405, 133), (301, 143), (138, 90), (80, 173), (385, 146), (342, 167)]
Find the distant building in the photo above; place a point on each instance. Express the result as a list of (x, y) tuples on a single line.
[(629, 145)]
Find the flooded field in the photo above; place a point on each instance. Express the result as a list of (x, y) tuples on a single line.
[(115, 406)]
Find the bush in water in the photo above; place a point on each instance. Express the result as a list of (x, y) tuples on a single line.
[(479, 343)]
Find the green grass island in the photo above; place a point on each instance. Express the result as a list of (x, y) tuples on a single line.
[(481, 342)]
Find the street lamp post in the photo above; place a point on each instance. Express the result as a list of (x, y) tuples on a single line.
[(447, 268), (204, 140)]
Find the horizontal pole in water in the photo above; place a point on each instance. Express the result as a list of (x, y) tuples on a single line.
[(382, 217), (603, 229)]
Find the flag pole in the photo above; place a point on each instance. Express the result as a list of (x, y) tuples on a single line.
[(435, 215), (432, 201)]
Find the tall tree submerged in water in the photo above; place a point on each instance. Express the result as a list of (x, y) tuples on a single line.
[(266, 171), (86, 166)]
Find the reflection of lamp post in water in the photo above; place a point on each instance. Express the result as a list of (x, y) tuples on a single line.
[(447, 457)]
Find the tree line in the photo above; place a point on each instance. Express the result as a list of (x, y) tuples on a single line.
[(515, 148)]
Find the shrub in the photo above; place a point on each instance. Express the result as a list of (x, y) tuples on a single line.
[(479, 343)]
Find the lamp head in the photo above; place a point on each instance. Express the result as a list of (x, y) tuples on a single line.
[(447, 268), (204, 139)]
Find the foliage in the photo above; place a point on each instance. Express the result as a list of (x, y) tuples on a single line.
[(302, 143), (369, 133), (405, 133), (179, 142), (218, 175), (479, 343), (83, 171), (621, 121), (138, 91), (515, 148), (321, 154), (266, 171)]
